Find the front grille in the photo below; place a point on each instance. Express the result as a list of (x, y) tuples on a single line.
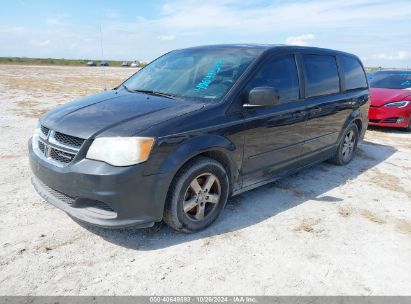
[(102, 206), (45, 130), (68, 140), (61, 156), (391, 120), (76, 202), (42, 147), (60, 196), (57, 148), (374, 120)]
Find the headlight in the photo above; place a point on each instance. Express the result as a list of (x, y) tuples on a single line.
[(397, 104), (121, 151)]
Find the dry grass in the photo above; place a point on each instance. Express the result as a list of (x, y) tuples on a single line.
[(39, 89), (390, 182), (81, 85), (404, 226), (371, 216), (29, 108), (344, 211), (307, 225)]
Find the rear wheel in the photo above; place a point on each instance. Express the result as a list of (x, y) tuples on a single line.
[(197, 195), (346, 148)]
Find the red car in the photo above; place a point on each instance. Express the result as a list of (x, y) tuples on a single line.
[(390, 99)]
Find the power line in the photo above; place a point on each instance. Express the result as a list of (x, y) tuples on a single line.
[(102, 57)]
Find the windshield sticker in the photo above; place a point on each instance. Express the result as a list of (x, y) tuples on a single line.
[(406, 83), (205, 82)]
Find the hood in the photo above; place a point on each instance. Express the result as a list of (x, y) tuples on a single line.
[(381, 96), (123, 113)]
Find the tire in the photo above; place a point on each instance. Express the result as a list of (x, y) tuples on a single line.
[(192, 204), (348, 145)]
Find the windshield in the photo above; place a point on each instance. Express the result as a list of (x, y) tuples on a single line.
[(390, 79), (194, 74)]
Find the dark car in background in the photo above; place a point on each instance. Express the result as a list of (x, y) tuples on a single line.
[(390, 99), (104, 63), (196, 126)]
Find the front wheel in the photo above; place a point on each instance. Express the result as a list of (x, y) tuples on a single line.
[(346, 148), (197, 195)]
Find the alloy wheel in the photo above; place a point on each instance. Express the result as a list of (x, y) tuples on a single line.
[(348, 145), (202, 196)]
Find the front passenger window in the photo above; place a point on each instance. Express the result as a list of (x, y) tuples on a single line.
[(280, 73)]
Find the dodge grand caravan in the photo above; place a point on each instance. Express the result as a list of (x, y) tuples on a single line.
[(196, 126)]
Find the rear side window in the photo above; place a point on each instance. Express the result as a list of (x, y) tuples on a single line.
[(353, 73), (280, 72), (321, 75)]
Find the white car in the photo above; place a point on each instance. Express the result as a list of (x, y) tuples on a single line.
[(135, 64)]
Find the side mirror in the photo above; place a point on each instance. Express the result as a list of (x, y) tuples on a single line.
[(262, 97)]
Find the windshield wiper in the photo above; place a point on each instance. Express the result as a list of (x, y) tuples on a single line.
[(127, 89), (150, 92), (155, 93)]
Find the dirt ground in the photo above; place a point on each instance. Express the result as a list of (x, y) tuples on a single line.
[(327, 230)]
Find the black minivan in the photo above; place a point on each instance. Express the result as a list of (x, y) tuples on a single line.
[(196, 126)]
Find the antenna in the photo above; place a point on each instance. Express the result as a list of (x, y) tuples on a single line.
[(102, 57)]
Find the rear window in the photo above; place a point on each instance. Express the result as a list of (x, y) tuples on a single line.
[(321, 75), (353, 73)]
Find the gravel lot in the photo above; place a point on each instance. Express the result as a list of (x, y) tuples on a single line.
[(327, 230)]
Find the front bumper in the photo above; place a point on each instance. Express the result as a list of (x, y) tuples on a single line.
[(389, 117), (100, 194)]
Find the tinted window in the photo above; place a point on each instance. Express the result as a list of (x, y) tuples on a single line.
[(353, 73), (321, 75), (279, 72)]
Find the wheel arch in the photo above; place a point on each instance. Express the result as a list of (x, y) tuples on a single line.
[(359, 124), (215, 147), (223, 159), (173, 207), (354, 117)]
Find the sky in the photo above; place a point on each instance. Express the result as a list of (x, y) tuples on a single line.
[(378, 31)]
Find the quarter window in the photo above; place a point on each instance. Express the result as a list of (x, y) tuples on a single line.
[(353, 73), (280, 72), (321, 75)]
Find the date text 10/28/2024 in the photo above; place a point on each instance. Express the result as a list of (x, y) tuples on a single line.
[(203, 299)]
